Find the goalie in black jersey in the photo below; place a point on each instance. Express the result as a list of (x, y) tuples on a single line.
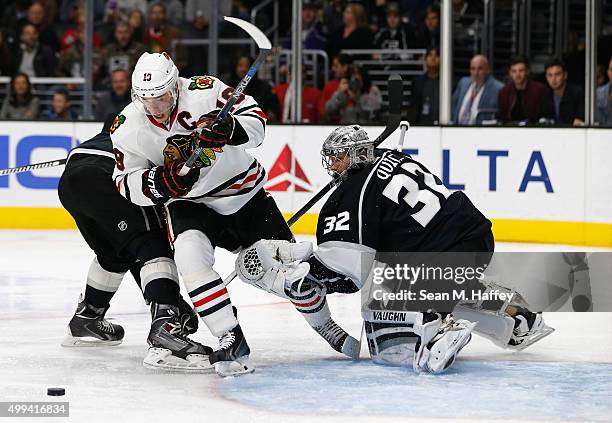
[(125, 237), (388, 202)]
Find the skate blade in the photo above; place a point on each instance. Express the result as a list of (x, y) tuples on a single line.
[(351, 347), (238, 367), (532, 339), (162, 359), (442, 365), (87, 341)]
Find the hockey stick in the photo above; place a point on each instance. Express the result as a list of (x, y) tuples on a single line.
[(35, 166), (265, 47), (404, 126)]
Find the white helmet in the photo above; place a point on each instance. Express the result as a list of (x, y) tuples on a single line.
[(155, 75)]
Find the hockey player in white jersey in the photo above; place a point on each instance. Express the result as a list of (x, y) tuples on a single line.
[(388, 202), (219, 202)]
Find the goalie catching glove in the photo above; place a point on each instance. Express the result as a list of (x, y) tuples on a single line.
[(164, 182), (211, 134), (274, 265)]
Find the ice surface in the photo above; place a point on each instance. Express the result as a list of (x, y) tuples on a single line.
[(567, 376)]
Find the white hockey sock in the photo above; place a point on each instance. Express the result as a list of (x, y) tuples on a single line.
[(312, 305), (101, 279)]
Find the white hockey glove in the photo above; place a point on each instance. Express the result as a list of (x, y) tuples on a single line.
[(274, 266)]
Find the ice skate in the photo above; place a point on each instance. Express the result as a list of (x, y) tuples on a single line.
[(169, 346), (529, 328), (338, 339), (232, 357), (441, 351), (89, 328)]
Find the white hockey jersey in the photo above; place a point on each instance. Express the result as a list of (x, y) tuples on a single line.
[(229, 176)]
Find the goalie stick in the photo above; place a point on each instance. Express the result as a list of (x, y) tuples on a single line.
[(264, 49)]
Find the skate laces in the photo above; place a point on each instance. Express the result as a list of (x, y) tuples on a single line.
[(106, 326), (331, 332), (226, 340)]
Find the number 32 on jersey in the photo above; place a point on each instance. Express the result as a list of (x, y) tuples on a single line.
[(337, 223)]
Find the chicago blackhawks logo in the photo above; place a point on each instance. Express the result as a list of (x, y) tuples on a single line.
[(201, 83), (179, 147), (119, 119)]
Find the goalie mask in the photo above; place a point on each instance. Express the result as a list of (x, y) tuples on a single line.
[(155, 84), (345, 148)]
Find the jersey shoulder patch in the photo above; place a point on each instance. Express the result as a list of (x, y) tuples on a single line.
[(201, 83), (119, 120)]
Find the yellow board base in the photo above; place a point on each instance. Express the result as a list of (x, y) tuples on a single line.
[(505, 230)]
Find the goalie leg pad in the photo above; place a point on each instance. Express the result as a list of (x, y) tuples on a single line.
[(412, 339)]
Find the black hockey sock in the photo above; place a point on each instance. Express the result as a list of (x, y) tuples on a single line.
[(98, 298), (162, 291)]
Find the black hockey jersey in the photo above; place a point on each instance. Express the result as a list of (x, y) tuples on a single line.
[(392, 205), (97, 150)]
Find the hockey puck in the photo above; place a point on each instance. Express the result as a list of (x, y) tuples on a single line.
[(56, 392)]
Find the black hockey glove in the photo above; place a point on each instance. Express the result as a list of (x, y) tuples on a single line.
[(164, 182), (210, 134)]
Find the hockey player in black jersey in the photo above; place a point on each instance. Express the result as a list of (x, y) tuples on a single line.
[(389, 202), (125, 237)]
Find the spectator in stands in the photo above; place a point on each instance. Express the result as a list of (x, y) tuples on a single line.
[(520, 100), (70, 8), (136, 21), (332, 16), (414, 10), (71, 60), (20, 103), (426, 90), (47, 33), (160, 35), (603, 109), (376, 11), (61, 108), (310, 100), (13, 16), (313, 34), (563, 103), (7, 58), (355, 33), (114, 100), (175, 12), (356, 100), (33, 58), (197, 12), (260, 90), (395, 35), (123, 53), (71, 35), (340, 68), (428, 34), (475, 98), (119, 10)]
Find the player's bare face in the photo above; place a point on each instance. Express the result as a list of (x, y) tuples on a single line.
[(340, 163), (159, 107)]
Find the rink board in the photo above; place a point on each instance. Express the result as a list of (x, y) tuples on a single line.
[(550, 185)]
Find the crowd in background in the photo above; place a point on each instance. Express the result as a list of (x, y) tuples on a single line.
[(44, 38)]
